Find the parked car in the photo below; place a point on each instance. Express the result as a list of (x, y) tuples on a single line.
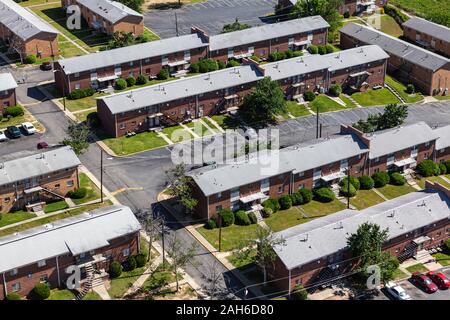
[(29, 128), (439, 279), (397, 292), (42, 145), (14, 132), (46, 66), (3, 136), (424, 282)]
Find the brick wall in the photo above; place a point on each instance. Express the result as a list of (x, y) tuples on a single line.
[(440, 46), (7, 99)]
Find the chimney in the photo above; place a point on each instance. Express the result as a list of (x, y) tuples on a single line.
[(348, 129)]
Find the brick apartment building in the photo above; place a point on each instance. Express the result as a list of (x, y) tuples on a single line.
[(37, 178), (317, 251), (428, 71), (101, 69), (428, 34), (7, 91), (442, 149), (353, 7), (207, 94), (109, 16), (245, 184), (89, 241), (25, 33)]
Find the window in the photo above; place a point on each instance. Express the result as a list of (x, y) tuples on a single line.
[(13, 272), (126, 252), (42, 263), (7, 199), (57, 186), (280, 189), (427, 144), (219, 195), (76, 75), (131, 63), (147, 60), (218, 208), (70, 183), (122, 126), (43, 278), (77, 86), (301, 186), (16, 287)]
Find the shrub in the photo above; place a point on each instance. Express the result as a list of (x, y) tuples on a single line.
[(322, 50), (41, 291), (1, 117), (163, 74), (346, 14), (80, 93), (306, 194), (447, 244), (253, 218), (272, 204), (313, 49), (93, 120), (397, 179), (285, 202), (447, 165), (14, 111), (194, 68), (13, 296), (297, 53), (115, 269), (348, 190), (395, 13), (410, 88), (221, 65), (267, 212), (366, 182), (141, 79), (380, 179), (121, 84), (296, 198), (353, 180), (232, 64), (309, 96), (30, 59), (210, 224), (241, 218), (79, 193), (324, 194), (227, 217), (299, 293), (335, 90), (427, 168), (141, 259), (131, 81), (442, 168), (207, 65), (329, 48), (130, 263)]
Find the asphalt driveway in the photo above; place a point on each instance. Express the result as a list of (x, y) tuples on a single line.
[(209, 16)]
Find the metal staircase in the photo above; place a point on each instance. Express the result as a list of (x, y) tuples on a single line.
[(87, 285), (409, 252)]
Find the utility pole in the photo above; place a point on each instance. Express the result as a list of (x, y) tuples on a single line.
[(317, 122), (176, 23), (101, 174), (162, 239), (348, 188), (220, 234)]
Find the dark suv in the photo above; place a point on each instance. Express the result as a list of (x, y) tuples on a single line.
[(14, 132)]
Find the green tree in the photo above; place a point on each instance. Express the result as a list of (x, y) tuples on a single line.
[(328, 9), (394, 115), (235, 26), (264, 102), (133, 4), (121, 39), (179, 255), (77, 137), (369, 125), (180, 187)]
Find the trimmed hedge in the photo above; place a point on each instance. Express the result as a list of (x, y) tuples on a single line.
[(81, 93), (442, 168), (329, 48), (348, 190), (253, 218), (141, 79), (141, 259), (366, 182), (41, 291), (210, 224), (346, 14), (163, 74), (447, 244), (131, 81), (115, 269), (296, 198), (353, 181), (272, 204), (241, 218), (335, 90), (397, 179), (232, 64), (306, 194), (323, 194), (299, 293), (309, 96), (121, 84), (410, 89), (427, 168), (203, 66), (79, 193), (13, 296), (30, 59), (227, 217), (267, 212), (285, 202), (395, 13), (130, 263), (221, 65), (380, 179), (447, 165), (313, 49), (322, 50), (14, 111)]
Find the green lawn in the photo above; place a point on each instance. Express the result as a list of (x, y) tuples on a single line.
[(378, 97), (325, 104), (92, 193), (401, 89), (177, 133), (399, 274), (57, 294), (226, 122), (199, 128), (317, 209), (92, 295), (209, 123), (347, 101), (140, 142), (55, 206), (121, 284), (390, 191), (365, 199), (417, 268), (82, 116), (421, 182), (423, 7), (232, 236), (15, 121), (442, 258), (83, 103), (14, 217), (242, 263), (28, 3), (388, 25), (442, 98), (297, 110), (285, 219), (149, 83)]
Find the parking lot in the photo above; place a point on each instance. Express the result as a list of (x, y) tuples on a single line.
[(209, 16)]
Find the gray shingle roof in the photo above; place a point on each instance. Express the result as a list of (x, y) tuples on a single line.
[(7, 81), (333, 61), (324, 236), (111, 11), (298, 158), (444, 137), (265, 32), (37, 165), (436, 30), (132, 53), (395, 46), (177, 89), (75, 235), (392, 140), (22, 22)]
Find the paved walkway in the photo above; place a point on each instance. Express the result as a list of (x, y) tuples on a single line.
[(353, 101), (215, 124), (207, 126), (102, 292), (395, 93), (380, 194)]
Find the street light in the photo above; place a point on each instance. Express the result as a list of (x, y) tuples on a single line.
[(63, 88)]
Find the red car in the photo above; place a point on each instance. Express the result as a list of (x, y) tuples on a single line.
[(42, 145), (439, 279), (425, 283)]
